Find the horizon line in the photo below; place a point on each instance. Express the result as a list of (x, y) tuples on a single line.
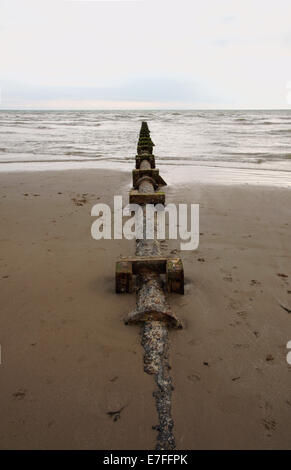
[(146, 109)]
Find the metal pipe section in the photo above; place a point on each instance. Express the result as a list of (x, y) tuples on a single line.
[(152, 309)]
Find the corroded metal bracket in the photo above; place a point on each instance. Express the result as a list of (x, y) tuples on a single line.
[(157, 197), (145, 144), (172, 268)]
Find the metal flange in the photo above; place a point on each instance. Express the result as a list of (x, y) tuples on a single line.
[(151, 172), (149, 157)]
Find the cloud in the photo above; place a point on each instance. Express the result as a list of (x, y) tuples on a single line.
[(212, 53)]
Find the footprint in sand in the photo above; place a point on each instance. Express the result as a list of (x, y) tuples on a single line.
[(254, 282), (113, 379), (194, 377), (270, 424), (288, 310), (115, 415), (195, 342), (242, 314), (234, 304), (20, 394), (79, 202), (269, 358), (241, 346), (234, 379), (236, 323)]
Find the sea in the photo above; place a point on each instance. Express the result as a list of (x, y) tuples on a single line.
[(224, 147)]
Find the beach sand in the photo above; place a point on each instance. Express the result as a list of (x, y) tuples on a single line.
[(72, 373)]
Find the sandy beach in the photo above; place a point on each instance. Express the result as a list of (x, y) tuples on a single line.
[(72, 373)]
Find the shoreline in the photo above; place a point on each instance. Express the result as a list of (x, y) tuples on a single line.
[(68, 360), (254, 175)]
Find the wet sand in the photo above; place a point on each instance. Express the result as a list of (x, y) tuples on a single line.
[(72, 373)]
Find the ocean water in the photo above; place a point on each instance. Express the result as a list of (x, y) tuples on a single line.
[(220, 146)]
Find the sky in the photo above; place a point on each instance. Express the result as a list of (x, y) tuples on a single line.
[(144, 54)]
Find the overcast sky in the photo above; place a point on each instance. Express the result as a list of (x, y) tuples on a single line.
[(145, 54)]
